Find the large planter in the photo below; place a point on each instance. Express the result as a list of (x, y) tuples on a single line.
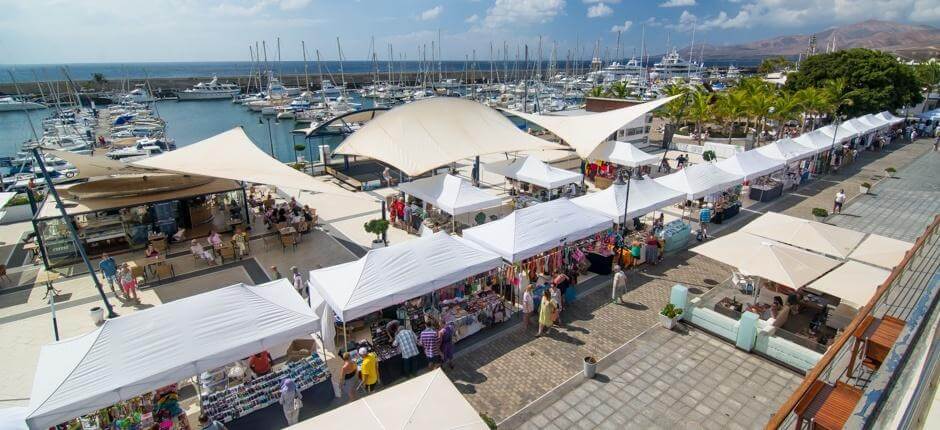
[(863, 190), (819, 218), (667, 322), (97, 315), (376, 244), (590, 367)]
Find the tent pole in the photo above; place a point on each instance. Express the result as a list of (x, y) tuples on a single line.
[(345, 339)]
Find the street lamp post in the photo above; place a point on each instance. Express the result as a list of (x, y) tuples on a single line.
[(624, 179), (270, 134)]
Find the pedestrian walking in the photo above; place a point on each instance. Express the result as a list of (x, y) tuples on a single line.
[(129, 283), (407, 343), (546, 313), (618, 286), (349, 371), (275, 274), (108, 268), (528, 306), (837, 204), (704, 217), (431, 342), (290, 401), (298, 281), (446, 334), (936, 141), (555, 294)]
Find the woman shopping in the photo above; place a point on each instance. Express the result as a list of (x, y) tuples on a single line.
[(290, 401)]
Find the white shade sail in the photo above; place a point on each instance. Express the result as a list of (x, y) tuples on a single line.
[(534, 171), (426, 402), (585, 133), (527, 232), (881, 251), (389, 276), (423, 135), (786, 150), (700, 180), (816, 140), (645, 197), (624, 154), (750, 164), (451, 194), (152, 348), (853, 282), (775, 261), (90, 166), (891, 119), (232, 155), (815, 236)]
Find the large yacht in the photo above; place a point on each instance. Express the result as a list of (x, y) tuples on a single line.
[(630, 71), (673, 66), (327, 89), (209, 91), (138, 95), (12, 104)]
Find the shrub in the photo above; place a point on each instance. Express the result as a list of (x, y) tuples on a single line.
[(376, 227), (709, 155), (866, 185), (891, 170), (671, 311), (820, 212)]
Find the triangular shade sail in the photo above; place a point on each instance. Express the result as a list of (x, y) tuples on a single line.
[(815, 236), (645, 197), (527, 232), (585, 133), (426, 402), (90, 166), (451, 194), (816, 140), (149, 349), (881, 251), (232, 155), (534, 171), (389, 276), (785, 150), (421, 136), (750, 164), (624, 154), (775, 261), (700, 180), (853, 282), (891, 119)]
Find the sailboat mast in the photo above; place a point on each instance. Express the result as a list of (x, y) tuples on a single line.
[(303, 48), (320, 73)]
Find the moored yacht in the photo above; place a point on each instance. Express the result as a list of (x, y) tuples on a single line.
[(12, 104), (673, 66), (209, 91)]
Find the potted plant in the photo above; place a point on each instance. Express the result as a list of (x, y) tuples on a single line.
[(669, 315), (377, 227), (590, 367), (709, 155), (97, 315), (864, 187), (890, 172), (820, 214)]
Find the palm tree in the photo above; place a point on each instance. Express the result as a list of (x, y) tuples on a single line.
[(700, 110), (786, 107), (729, 107), (759, 104), (596, 92), (813, 102), (619, 90), (838, 95), (675, 111)]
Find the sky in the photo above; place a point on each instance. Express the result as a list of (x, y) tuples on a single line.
[(91, 31)]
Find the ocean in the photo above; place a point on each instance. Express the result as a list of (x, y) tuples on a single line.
[(119, 71)]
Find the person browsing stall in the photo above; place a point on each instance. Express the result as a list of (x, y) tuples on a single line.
[(369, 373), (407, 343), (431, 342)]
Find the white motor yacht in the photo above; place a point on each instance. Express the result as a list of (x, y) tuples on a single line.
[(211, 90), (327, 89), (673, 66), (138, 95), (11, 104)]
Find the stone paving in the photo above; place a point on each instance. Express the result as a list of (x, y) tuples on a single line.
[(680, 379)]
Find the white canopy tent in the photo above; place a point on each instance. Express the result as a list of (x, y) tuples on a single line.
[(700, 180), (534, 171), (786, 150), (845, 133), (232, 155), (816, 140), (750, 165), (149, 349), (853, 282), (881, 251), (527, 232), (807, 234), (890, 118), (389, 276), (585, 133), (645, 197), (426, 402), (768, 259), (874, 121), (451, 194), (421, 136), (13, 418), (624, 154), (859, 126)]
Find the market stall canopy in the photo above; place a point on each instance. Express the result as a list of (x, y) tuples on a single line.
[(585, 133), (816, 140), (232, 155), (859, 126), (845, 132), (13, 418), (887, 116), (450, 193), (775, 261), (420, 136), (803, 233), (750, 164), (700, 180), (853, 282), (786, 150), (130, 355), (624, 154), (881, 251), (534, 171), (90, 166), (389, 276), (645, 197), (527, 232), (426, 402), (874, 121)]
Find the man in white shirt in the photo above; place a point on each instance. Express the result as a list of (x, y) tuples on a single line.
[(619, 285), (840, 199)]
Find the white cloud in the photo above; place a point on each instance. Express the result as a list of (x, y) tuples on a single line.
[(522, 12), (431, 13), (600, 1), (472, 19), (252, 8), (677, 3), (626, 26), (293, 4), (653, 22), (598, 10)]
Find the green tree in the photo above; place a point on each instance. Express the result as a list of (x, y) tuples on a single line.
[(838, 95), (700, 110), (814, 102), (787, 106), (928, 75), (619, 90), (99, 80), (758, 103), (774, 64), (729, 107), (874, 80), (674, 112), (596, 92)]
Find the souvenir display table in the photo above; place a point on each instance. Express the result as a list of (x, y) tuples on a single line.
[(766, 191), (676, 235)]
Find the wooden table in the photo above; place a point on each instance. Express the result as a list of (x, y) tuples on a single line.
[(826, 406), (877, 336), (141, 266)]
